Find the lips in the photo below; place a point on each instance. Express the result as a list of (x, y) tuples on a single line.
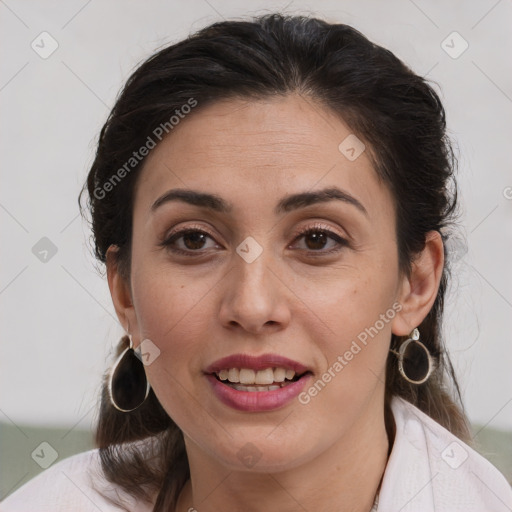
[(258, 401), (227, 376), (256, 363)]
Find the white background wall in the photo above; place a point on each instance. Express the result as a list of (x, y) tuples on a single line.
[(57, 322)]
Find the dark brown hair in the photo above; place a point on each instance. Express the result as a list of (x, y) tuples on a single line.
[(394, 111)]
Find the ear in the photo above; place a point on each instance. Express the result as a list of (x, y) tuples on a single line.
[(120, 291), (419, 290)]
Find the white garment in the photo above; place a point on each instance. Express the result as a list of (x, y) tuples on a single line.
[(429, 470)]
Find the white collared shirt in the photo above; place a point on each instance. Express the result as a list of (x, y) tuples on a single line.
[(429, 470)]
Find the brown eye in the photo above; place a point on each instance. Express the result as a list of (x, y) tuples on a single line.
[(187, 241), (194, 239), (316, 239)]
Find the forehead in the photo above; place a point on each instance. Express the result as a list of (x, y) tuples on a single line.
[(259, 150)]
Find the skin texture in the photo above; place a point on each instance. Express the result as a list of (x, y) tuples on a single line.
[(294, 299)]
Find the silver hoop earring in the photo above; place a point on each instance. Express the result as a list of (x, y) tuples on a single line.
[(415, 363), (128, 386)]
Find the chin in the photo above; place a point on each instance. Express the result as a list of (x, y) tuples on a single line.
[(263, 455)]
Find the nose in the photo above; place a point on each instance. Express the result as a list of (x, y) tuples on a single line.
[(254, 298)]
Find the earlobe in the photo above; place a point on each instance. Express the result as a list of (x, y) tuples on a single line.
[(419, 290), (119, 289)]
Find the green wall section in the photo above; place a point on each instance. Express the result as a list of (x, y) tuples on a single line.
[(21, 447), (17, 466), (496, 446)]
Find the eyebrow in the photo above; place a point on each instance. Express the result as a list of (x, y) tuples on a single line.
[(286, 204)]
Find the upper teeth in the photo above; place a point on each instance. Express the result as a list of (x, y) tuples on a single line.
[(248, 376)]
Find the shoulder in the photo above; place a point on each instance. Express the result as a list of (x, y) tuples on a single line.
[(76, 483), (430, 469)]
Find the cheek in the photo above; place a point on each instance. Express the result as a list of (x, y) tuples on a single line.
[(169, 309), (166, 297), (170, 314), (355, 299), (175, 312), (354, 355), (359, 310)]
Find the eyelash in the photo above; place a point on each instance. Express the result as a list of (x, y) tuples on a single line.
[(342, 242)]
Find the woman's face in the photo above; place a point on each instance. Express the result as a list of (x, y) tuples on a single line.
[(246, 282)]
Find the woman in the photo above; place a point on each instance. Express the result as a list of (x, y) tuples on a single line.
[(270, 199)]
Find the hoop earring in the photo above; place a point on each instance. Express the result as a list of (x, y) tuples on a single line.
[(415, 363), (128, 386)]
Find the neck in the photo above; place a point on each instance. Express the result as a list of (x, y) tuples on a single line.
[(344, 477)]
